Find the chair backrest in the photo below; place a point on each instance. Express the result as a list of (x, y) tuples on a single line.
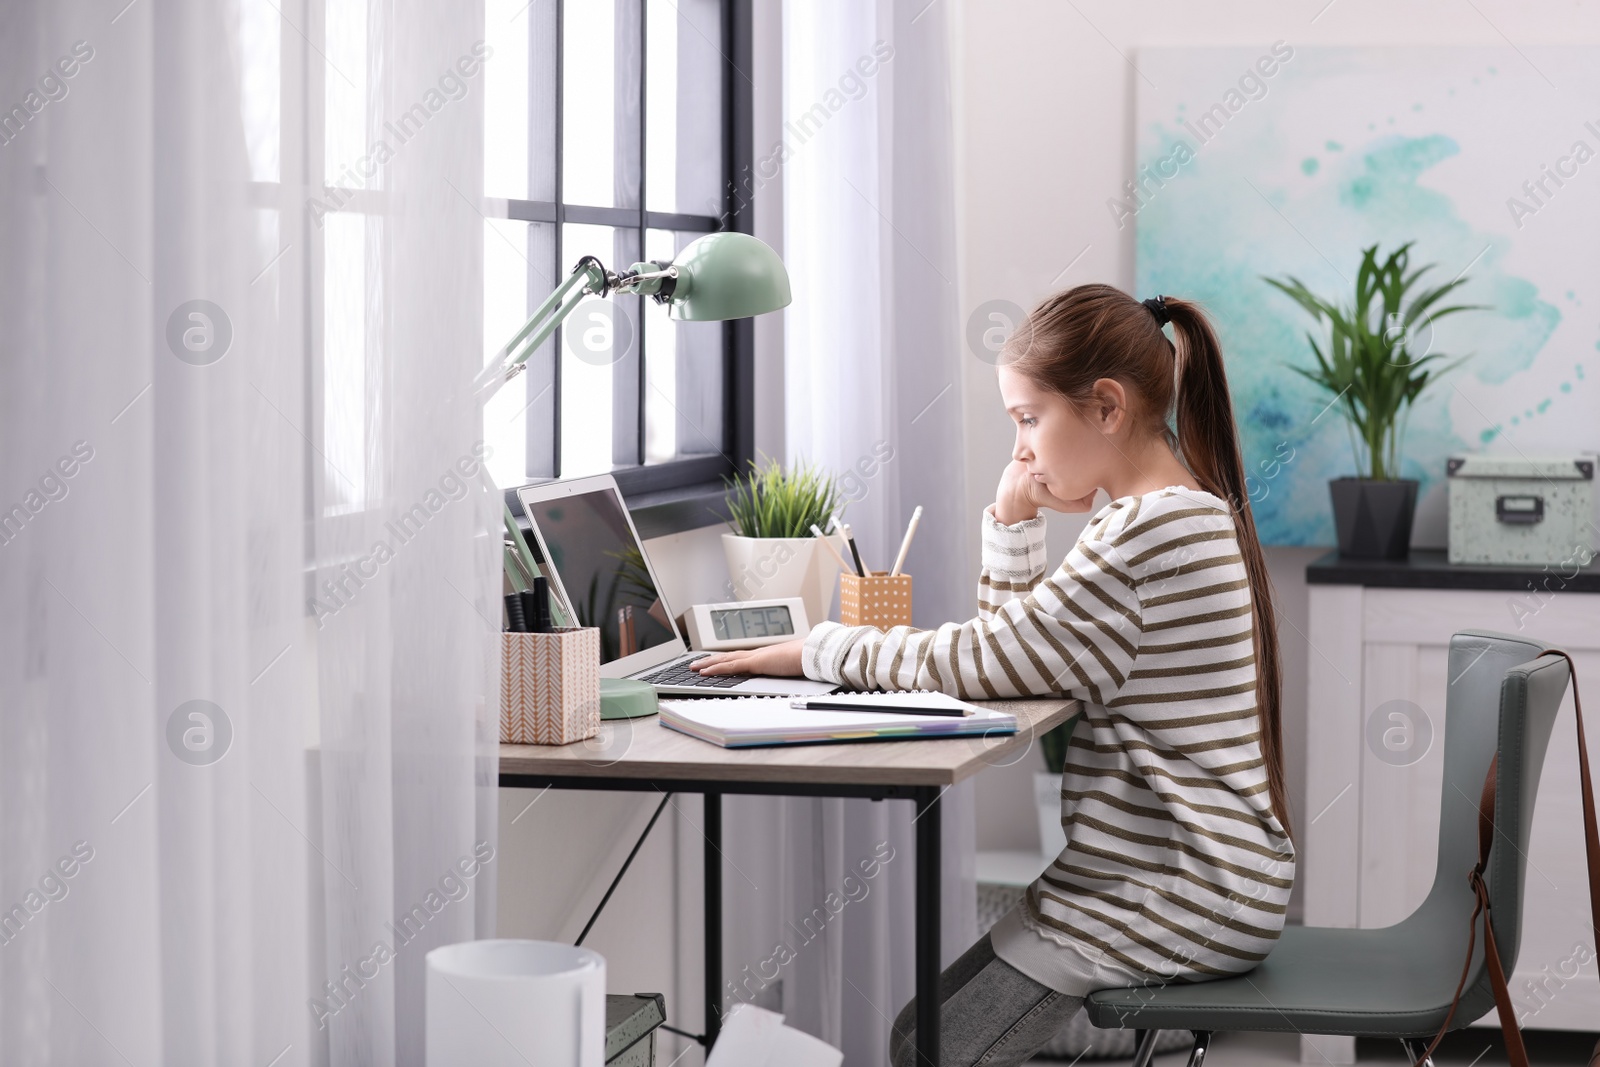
[(1502, 699)]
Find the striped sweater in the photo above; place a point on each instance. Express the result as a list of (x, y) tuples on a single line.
[(1175, 867)]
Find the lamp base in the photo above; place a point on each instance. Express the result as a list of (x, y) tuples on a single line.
[(626, 698)]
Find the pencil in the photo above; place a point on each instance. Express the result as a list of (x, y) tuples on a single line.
[(905, 545), (828, 544)]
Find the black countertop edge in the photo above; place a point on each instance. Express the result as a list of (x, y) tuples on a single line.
[(1429, 568), (664, 511)]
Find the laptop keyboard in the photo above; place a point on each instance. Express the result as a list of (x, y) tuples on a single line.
[(679, 674)]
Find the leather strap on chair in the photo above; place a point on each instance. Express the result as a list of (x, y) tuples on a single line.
[(1516, 1052)]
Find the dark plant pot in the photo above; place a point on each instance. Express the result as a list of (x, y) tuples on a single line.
[(1372, 518)]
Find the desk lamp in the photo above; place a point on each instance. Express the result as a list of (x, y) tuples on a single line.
[(726, 275)]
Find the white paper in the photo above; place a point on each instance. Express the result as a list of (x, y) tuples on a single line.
[(756, 1037)]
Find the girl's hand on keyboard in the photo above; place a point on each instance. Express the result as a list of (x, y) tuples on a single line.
[(779, 661)]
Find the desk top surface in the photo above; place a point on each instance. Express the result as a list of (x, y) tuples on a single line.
[(644, 749)]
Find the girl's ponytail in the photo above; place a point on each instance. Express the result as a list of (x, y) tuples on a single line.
[(1208, 442)]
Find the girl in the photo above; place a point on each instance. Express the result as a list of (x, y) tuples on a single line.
[(1179, 858)]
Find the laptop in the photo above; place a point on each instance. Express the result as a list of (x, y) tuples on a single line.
[(600, 571)]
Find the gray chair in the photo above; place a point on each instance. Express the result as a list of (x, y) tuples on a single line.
[(1397, 981)]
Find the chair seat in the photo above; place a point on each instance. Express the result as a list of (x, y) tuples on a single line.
[(1316, 980)]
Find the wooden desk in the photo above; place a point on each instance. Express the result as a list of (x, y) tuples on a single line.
[(643, 755)]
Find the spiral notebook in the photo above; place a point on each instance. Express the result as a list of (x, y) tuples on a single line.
[(741, 722)]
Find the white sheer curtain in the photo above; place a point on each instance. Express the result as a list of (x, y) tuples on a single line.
[(872, 352), (241, 745)]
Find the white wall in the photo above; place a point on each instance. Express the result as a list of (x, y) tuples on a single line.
[(1045, 135)]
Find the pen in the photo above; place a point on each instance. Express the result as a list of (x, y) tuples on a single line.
[(905, 545), (823, 704), (514, 561), (828, 543), (835, 524), (855, 553)]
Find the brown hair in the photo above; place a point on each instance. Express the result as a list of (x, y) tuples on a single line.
[(1076, 337)]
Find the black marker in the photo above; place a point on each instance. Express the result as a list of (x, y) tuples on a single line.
[(536, 606), (516, 621)]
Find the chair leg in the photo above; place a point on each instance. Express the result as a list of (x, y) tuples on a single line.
[(1413, 1051), (1144, 1047), (1202, 1041)]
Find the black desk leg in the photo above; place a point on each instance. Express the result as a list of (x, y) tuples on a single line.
[(713, 917), (928, 924)]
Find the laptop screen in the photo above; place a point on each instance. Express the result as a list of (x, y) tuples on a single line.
[(601, 566)]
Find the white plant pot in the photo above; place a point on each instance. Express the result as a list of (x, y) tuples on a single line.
[(762, 567), (1047, 798)]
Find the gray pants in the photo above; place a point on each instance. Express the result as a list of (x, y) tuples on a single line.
[(990, 1013)]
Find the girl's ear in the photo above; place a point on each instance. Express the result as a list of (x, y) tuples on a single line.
[(1111, 402)]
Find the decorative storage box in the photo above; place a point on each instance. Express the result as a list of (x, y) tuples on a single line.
[(1521, 510), (876, 600), (550, 686)]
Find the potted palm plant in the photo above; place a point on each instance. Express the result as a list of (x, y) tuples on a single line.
[(1378, 359), (770, 549)]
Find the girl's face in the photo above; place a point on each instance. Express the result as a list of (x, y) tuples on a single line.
[(1069, 453)]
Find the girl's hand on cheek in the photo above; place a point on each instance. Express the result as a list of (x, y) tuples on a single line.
[(1020, 496), (1013, 497)]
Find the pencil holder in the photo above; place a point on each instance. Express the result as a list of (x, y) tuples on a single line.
[(879, 599), (550, 686)]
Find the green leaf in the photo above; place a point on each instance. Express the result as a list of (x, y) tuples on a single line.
[(1359, 363), (768, 502)]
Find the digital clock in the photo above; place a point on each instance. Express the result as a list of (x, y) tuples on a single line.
[(745, 623)]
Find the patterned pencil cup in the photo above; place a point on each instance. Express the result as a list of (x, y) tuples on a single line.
[(550, 686), (879, 599)]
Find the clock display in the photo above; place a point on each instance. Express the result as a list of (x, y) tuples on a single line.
[(738, 623)]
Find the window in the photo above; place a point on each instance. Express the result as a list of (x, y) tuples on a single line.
[(611, 127)]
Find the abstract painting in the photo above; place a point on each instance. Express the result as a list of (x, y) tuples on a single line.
[(1277, 159)]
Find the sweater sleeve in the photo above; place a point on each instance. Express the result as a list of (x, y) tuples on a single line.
[(1074, 632), (1013, 560)]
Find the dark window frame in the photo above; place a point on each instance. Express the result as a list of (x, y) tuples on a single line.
[(677, 494)]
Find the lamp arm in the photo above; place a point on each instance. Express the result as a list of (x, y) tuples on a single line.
[(588, 277)]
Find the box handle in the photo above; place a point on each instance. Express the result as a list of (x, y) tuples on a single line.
[(1519, 510)]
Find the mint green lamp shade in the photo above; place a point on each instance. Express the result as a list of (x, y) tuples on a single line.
[(728, 275), (725, 275)]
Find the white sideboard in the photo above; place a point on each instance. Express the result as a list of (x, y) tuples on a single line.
[(1369, 831)]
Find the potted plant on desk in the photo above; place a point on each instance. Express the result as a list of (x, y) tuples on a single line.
[(1377, 362), (771, 551)]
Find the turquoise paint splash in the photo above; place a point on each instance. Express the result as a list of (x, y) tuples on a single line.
[(1208, 236)]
